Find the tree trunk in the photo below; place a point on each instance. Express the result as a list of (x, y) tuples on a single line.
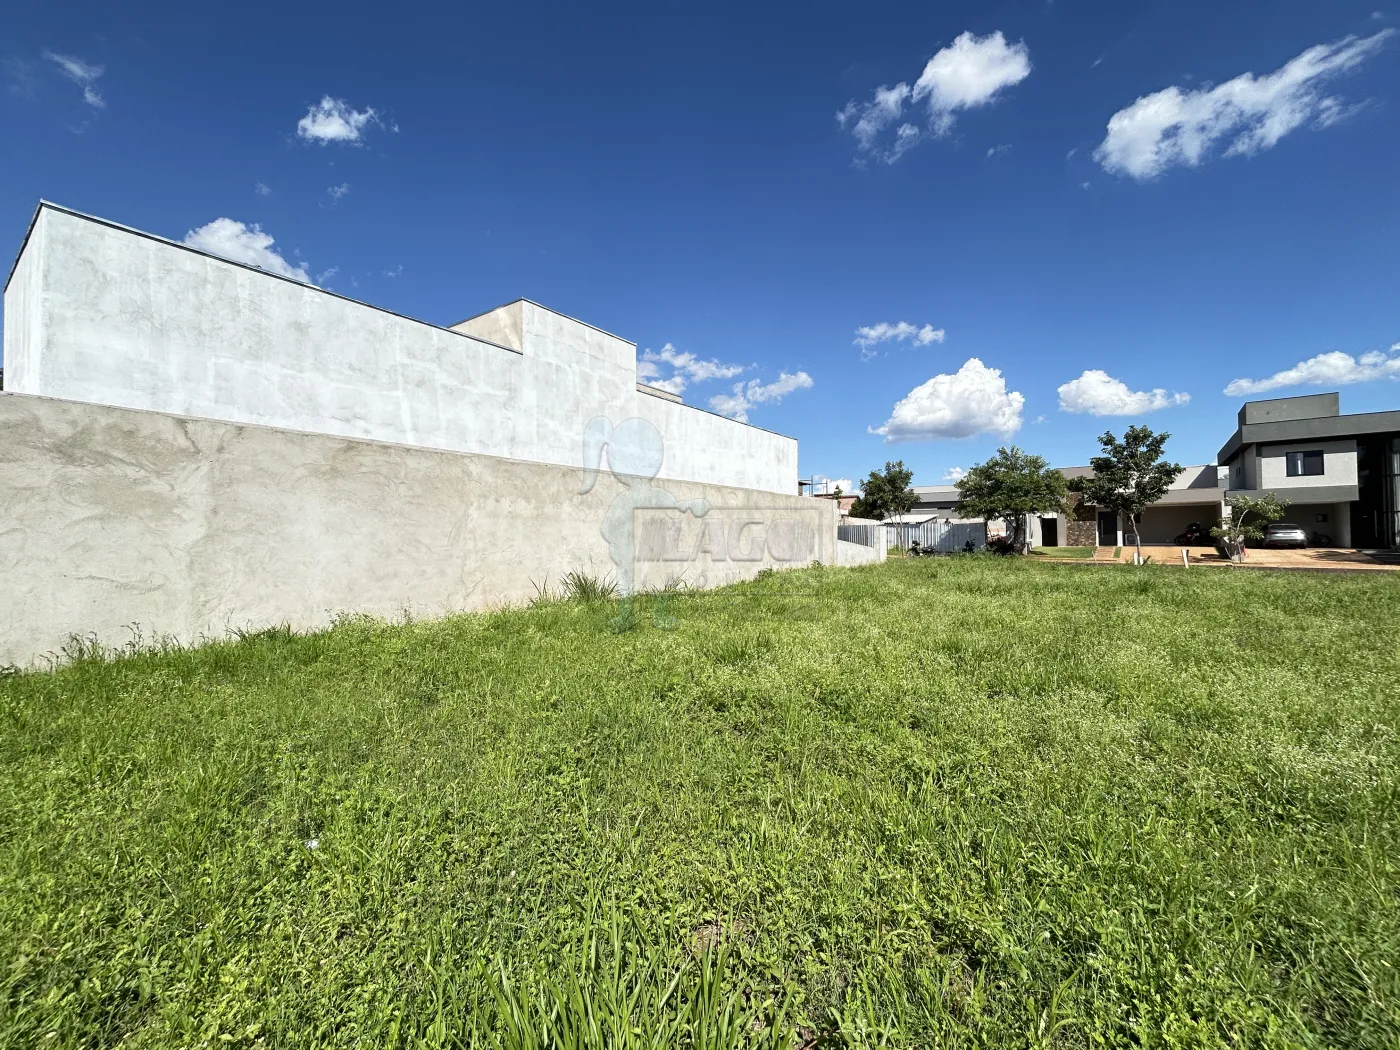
[(1137, 538)]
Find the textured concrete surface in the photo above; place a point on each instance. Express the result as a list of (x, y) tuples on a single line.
[(116, 521), (107, 315)]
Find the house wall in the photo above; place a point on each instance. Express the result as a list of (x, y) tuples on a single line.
[(1338, 465), (106, 315), (189, 528), (24, 323)]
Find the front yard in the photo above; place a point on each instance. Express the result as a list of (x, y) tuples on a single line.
[(961, 801)]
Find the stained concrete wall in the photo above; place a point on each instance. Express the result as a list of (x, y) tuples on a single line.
[(99, 313), (189, 528)]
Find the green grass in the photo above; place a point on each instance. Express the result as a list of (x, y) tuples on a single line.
[(974, 802), (1064, 552)]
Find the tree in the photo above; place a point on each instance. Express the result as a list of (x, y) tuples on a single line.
[(1010, 487), (885, 494), (1235, 529), (1129, 476)]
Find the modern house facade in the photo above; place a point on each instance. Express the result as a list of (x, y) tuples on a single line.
[(1339, 473)]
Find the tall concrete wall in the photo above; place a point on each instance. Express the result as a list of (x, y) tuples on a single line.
[(98, 313), (189, 528)]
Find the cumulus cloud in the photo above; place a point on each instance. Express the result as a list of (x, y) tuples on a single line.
[(1097, 393), (970, 72), (1330, 369), (972, 400), (871, 335), (954, 474), (334, 120), (1245, 115), (82, 74), (337, 192), (244, 244), (685, 368), (756, 392)]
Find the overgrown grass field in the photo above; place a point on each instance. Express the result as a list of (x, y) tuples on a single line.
[(972, 802)]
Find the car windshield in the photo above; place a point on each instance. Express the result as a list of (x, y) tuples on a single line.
[(1285, 528)]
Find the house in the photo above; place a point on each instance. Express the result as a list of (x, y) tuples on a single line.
[(1339, 473)]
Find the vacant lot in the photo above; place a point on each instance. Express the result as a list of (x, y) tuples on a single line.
[(935, 802)]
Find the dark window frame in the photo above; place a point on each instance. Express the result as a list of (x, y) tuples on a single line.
[(1299, 464)]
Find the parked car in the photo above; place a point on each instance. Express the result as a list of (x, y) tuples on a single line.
[(1195, 535), (1281, 534)]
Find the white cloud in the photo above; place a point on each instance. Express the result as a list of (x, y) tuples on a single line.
[(973, 400), (326, 275), (686, 368), (823, 485), (998, 150), (1247, 114), (82, 74), (337, 192), (333, 120), (397, 271), (262, 189), (1098, 394), (969, 72), (244, 244), (954, 474), (871, 335), (1330, 369), (756, 392)]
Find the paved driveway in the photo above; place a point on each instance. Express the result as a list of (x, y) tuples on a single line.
[(1314, 558)]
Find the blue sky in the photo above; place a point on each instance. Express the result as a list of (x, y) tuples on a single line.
[(1036, 246)]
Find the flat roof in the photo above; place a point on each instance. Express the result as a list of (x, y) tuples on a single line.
[(1316, 428)]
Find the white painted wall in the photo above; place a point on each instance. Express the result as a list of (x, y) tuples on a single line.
[(102, 314), (1338, 465)]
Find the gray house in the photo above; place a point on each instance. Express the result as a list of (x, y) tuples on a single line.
[(1341, 473)]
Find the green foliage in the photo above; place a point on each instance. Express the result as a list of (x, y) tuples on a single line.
[(1129, 476), (1010, 487), (885, 494), (1233, 531), (584, 587), (940, 802)]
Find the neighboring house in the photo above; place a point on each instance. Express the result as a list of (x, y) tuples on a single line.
[(104, 314), (1340, 474)]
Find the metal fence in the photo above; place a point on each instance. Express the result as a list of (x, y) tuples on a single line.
[(866, 533), (944, 536)]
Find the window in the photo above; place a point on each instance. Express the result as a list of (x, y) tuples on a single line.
[(1304, 464)]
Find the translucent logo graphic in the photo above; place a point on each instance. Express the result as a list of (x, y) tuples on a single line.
[(659, 543)]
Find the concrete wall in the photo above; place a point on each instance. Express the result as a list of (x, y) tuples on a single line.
[(189, 528), (1285, 409), (107, 315), (1338, 465)]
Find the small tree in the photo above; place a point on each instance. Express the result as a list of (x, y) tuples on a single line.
[(1129, 476), (885, 494), (1010, 487), (1235, 529)]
